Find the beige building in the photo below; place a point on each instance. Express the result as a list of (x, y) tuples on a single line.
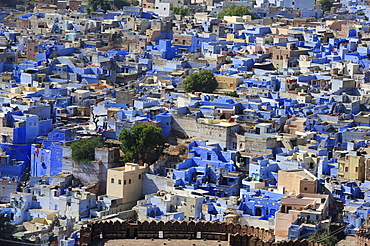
[(351, 167), (283, 57), (297, 181), (32, 48), (295, 124), (126, 182), (228, 82), (301, 97)]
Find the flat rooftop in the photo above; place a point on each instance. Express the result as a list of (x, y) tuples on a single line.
[(302, 173)]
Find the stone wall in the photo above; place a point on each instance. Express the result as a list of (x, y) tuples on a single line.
[(185, 124), (122, 208), (362, 238), (234, 234), (223, 134), (153, 183), (94, 173)]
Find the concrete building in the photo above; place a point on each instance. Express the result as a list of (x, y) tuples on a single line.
[(228, 82), (126, 182), (176, 204), (297, 181), (351, 166), (286, 56), (301, 215)]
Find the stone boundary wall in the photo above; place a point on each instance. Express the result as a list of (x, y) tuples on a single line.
[(234, 234)]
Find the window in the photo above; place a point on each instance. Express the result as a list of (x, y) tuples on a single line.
[(346, 169), (139, 176), (234, 145), (129, 181), (356, 169), (112, 180), (119, 181), (305, 188), (124, 182)]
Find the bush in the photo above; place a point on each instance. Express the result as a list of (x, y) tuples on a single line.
[(180, 11), (231, 94), (324, 238), (83, 150), (142, 144), (94, 5), (203, 81), (121, 3), (326, 4), (6, 229), (235, 10)]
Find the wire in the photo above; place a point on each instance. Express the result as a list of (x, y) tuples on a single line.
[(23, 243), (332, 234), (337, 231)]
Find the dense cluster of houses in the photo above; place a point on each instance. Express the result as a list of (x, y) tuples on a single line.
[(288, 152)]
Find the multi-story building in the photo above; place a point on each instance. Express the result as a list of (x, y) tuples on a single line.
[(126, 182)]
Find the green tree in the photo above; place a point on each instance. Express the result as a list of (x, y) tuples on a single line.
[(142, 144), (324, 238), (231, 94), (121, 3), (326, 4), (83, 150), (360, 13), (180, 11), (6, 229), (203, 81), (235, 10), (94, 5)]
